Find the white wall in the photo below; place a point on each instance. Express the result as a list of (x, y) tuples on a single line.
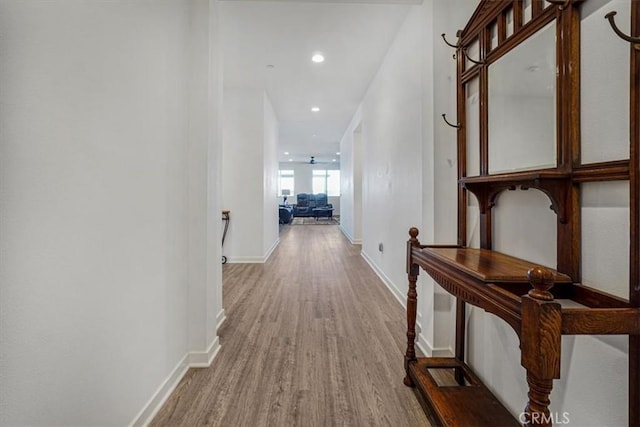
[(347, 176), (303, 175), (270, 178), (391, 116), (242, 170), (441, 203), (356, 176), (351, 179), (105, 240), (249, 174)]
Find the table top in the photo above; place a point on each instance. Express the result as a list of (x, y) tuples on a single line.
[(489, 266)]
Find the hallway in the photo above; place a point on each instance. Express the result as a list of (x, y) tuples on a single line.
[(312, 338)]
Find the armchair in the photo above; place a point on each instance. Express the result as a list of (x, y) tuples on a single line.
[(322, 201)]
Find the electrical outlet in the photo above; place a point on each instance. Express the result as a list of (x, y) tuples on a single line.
[(380, 247)]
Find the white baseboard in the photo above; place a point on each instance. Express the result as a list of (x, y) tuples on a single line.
[(220, 318), (271, 249), (388, 283), (190, 360), (422, 343), (253, 259), (245, 260), (442, 352), (154, 404), (429, 351), (350, 237), (203, 359)]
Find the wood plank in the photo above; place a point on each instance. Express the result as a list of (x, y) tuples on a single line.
[(312, 337), (605, 171), (488, 266), (517, 176), (634, 186), (620, 321), (536, 8), (518, 15)]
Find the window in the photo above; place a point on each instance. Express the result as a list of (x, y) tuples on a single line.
[(326, 181), (285, 181)]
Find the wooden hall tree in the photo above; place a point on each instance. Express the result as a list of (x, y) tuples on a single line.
[(537, 127)]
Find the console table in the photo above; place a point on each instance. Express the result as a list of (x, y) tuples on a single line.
[(530, 299)]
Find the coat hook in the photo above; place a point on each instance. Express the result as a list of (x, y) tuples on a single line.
[(444, 117), (455, 46), (612, 22), (562, 3), (464, 52)]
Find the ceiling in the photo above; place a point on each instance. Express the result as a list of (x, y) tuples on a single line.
[(269, 44)]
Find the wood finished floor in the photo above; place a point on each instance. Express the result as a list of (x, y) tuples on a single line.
[(312, 338)]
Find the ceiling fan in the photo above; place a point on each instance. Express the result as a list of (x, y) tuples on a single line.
[(313, 161)]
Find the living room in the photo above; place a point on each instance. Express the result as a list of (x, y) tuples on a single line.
[(310, 180)]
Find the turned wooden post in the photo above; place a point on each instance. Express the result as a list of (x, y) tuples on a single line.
[(540, 344), (412, 306)]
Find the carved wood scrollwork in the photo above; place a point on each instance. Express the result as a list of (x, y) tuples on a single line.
[(555, 189), (452, 288)]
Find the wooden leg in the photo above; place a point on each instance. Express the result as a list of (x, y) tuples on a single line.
[(634, 380), (540, 340), (460, 337), (537, 409), (412, 307)]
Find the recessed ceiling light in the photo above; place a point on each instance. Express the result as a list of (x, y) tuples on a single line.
[(286, 153), (291, 160), (334, 160), (317, 58), (337, 153), (315, 109)]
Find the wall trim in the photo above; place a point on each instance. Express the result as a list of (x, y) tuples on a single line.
[(192, 359), (161, 395), (271, 249), (422, 343), (254, 259), (220, 318), (349, 237), (388, 283), (245, 260), (428, 350), (203, 359)]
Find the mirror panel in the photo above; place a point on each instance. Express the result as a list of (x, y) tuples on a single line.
[(522, 105), (605, 236), (604, 95), (472, 92)]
